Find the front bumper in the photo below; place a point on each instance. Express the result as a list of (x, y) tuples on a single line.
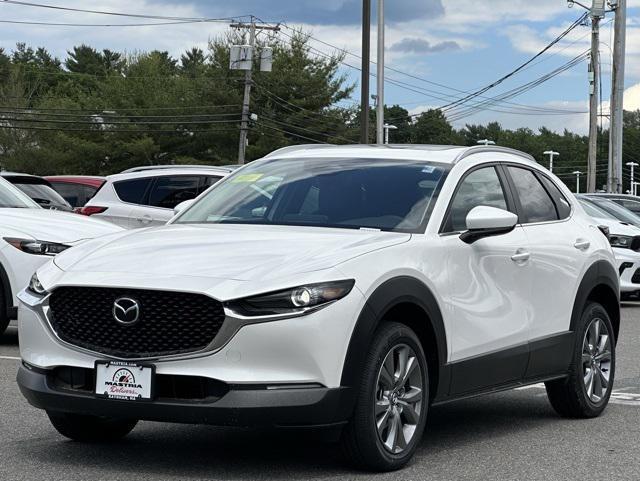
[(629, 268), (240, 406)]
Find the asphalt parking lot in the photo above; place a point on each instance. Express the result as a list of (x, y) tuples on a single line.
[(508, 436)]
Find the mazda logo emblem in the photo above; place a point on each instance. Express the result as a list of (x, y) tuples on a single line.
[(126, 311)]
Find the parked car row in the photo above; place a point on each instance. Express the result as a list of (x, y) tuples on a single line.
[(343, 287)]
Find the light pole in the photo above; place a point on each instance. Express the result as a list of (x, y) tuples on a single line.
[(551, 155), (380, 111), (577, 173), (366, 65), (486, 142), (632, 165), (387, 128)]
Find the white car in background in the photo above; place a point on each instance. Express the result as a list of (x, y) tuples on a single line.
[(625, 240), (147, 196), (29, 237)]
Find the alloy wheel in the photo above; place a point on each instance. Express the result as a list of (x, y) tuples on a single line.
[(399, 398), (596, 360)]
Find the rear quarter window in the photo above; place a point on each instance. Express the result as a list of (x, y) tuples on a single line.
[(133, 191)]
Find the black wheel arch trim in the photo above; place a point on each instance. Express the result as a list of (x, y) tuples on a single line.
[(600, 273), (5, 287), (391, 293)]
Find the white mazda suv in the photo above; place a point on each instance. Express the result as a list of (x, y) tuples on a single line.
[(341, 287), (29, 237)]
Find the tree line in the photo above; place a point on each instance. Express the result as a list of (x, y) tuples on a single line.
[(99, 112)]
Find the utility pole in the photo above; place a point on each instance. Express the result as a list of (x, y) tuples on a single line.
[(594, 81), (551, 155), (632, 165), (577, 173), (617, 95), (366, 73), (380, 108), (248, 82)]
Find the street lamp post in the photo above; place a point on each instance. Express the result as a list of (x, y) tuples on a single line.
[(632, 165), (551, 155), (486, 142), (387, 128), (577, 173)]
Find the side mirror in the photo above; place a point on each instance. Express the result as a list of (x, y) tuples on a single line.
[(182, 206), (484, 221)]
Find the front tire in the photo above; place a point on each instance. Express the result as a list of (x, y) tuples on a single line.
[(586, 392), (90, 428), (392, 402)]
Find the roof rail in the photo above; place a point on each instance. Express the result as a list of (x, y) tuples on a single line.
[(479, 149), (295, 148), (145, 168)]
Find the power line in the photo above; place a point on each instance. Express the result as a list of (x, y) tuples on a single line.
[(108, 131), (402, 84), (54, 24), (123, 14)]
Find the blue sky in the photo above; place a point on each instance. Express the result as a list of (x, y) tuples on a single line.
[(461, 44)]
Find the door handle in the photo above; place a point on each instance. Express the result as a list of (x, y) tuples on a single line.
[(521, 256), (582, 245)]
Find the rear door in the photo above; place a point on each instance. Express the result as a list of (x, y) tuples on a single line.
[(131, 195), (166, 193)]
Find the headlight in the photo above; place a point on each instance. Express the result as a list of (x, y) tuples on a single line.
[(291, 302), (36, 247), (35, 287), (621, 241)]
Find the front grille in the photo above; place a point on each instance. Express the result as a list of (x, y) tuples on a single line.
[(170, 323), (636, 277)]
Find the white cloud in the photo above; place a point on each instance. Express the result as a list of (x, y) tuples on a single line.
[(632, 98)]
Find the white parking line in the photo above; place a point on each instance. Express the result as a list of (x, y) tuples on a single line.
[(9, 358), (617, 397)]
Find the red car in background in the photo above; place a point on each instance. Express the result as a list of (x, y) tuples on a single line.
[(76, 189)]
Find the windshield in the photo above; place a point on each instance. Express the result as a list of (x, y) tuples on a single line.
[(10, 197), (388, 195), (617, 211), (44, 195), (594, 211)]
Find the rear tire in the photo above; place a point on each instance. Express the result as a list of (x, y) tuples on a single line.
[(392, 402), (586, 391), (90, 428)]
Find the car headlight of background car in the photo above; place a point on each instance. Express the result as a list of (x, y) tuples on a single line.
[(35, 287), (37, 247), (291, 302)]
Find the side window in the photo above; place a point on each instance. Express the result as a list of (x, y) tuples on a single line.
[(536, 204), (562, 204), (72, 193), (169, 191), (480, 187), (632, 205), (208, 181), (132, 191)]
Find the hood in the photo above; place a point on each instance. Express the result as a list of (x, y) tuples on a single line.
[(234, 252), (54, 226), (618, 228)]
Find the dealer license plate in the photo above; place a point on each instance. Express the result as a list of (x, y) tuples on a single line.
[(123, 380)]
